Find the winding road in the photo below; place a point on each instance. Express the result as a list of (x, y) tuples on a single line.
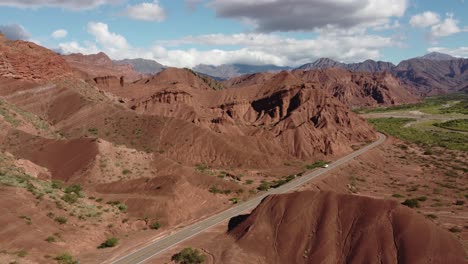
[(156, 247)]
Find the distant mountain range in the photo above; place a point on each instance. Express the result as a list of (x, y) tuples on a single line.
[(433, 73), (142, 65), (227, 71)]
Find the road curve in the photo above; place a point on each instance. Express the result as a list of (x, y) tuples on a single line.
[(160, 245)]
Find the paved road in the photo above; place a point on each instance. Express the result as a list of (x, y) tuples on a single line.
[(156, 247)]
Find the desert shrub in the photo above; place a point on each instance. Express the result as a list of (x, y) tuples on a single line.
[(315, 165), (455, 229), (65, 258), (431, 216), (397, 195), (411, 203), (126, 171), (56, 185), (189, 256), (248, 181), (50, 239), (110, 242), (422, 198), (459, 202), (93, 131), (22, 253), (75, 188), (264, 186), (155, 226), (70, 198), (61, 220)]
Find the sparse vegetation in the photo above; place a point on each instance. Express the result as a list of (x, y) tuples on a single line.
[(110, 242), (264, 186), (61, 220), (395, 127), (411, 203), (455, 229), (93, 131), (315, 165), (189, 256), (397, 195), (155, 226), (65, 258), (457, 125), (22, 253), (50, 239)]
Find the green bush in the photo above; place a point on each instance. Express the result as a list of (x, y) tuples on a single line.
[(189, 256), (411, 203), (264, 186), (315, 165), (422, 198), (75, 188), (65, 258), (56, 185), (70, 198), (397, 195), (455, 229), (110, 242), (155, 226), (22, 253), (61, 220), (50, 239)]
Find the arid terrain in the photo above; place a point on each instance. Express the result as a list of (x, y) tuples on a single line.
[(97, 159)]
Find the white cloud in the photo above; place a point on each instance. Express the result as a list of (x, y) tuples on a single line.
[(146, 11), (69, 4), (261, 49), (456, 52), (446, 28), (59, 33), (75, 47), (107, 39), (425, 19), (249, 48), (15, 32), (295, 15)]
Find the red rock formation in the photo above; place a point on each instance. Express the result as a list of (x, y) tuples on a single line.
[(98, 65), (28, 61)]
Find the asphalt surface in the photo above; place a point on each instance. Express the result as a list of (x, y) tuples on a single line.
[(156, 247)]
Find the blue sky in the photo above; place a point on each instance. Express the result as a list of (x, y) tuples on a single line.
[(186, 33)]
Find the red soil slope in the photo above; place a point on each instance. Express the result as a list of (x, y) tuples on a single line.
[(310, 227)]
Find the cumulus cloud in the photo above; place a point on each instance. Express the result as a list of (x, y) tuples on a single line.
[(103, 36), (270, 15), (59, 33), (15, 32), (437, 28), (75, 47), (248, 48), (69, 4), (446, 28), (425, 19), (456, 52), (146, 11)]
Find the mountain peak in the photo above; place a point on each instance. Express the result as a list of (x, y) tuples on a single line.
[(437, 56)]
